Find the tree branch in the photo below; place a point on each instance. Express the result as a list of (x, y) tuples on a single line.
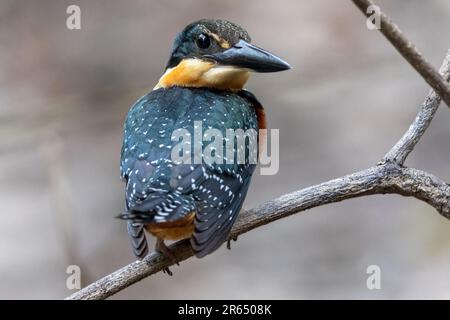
[(388, 177), (381, 179), (409, 51), (400, 151)]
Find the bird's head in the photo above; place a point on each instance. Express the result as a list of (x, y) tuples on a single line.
[(216, 54)]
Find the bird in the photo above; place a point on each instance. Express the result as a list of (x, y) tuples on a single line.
[(203, 81)]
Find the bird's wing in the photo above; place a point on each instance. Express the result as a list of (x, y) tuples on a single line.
[(218, 202), (146, 162)]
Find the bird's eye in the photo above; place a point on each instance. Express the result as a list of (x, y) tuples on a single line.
[(203, 41)]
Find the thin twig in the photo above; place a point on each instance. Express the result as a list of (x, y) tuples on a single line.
[(409, 51), (406, 144)]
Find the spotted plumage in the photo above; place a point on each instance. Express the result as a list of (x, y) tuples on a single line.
[(202, 86), (159, 191)]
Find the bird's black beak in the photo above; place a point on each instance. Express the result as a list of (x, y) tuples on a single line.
[(246, 55)]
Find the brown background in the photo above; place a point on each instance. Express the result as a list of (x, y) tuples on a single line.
[(64, 95)]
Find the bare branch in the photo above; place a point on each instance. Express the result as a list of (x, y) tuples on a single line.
[(406, 144), (388, 177), (381, 179), (409, 51)]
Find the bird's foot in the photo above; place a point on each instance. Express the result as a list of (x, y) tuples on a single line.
[(229, 241), (167, 270), (163, 249)]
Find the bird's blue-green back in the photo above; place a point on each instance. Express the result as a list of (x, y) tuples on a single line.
[(159, 190)]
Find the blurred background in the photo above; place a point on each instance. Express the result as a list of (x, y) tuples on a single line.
[(64, 95)]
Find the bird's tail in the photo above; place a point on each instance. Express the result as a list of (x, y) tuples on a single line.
[(138, 241), (136, 234)]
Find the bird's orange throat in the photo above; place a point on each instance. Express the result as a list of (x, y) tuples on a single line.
[(199, 73)]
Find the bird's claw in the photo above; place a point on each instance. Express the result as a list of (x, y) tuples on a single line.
[(167, 270), (234, 238), (164, 250)]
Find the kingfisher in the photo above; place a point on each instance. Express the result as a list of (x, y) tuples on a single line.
[(203, 81)]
